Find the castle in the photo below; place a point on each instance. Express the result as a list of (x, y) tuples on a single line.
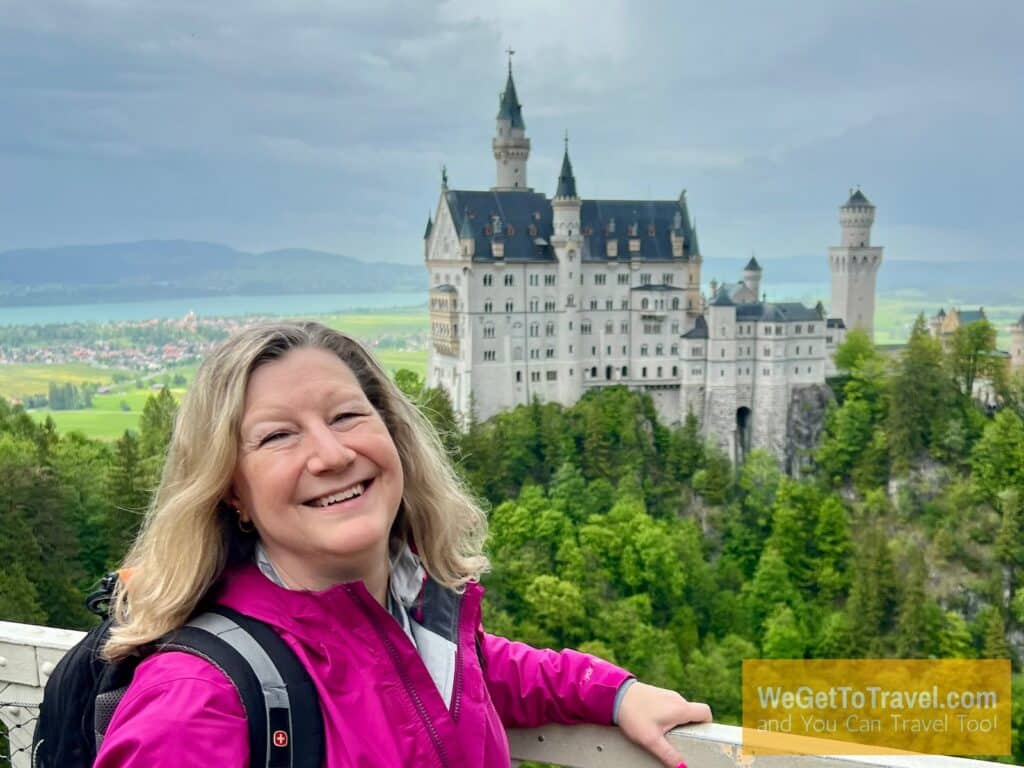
[(543, 298)]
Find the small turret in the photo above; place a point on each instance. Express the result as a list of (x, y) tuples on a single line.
[(566, 179), (856, 216), (752, 276)]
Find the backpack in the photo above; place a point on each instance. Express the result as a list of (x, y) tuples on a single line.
[(280, 701)]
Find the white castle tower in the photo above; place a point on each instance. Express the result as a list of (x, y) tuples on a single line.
[(854, 265), (510, 145), (1017, 345)]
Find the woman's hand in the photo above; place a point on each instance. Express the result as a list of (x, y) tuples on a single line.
[(647, 713)]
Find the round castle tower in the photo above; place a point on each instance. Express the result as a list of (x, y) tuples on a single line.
[(1017, 345), (855, 265), (510, 145)]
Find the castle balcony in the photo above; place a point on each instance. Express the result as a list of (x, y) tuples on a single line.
[(444, 320), (29, 653)]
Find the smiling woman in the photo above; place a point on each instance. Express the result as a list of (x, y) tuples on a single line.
[(303, 490)]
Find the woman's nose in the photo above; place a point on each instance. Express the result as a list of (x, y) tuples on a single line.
[(328, 451)]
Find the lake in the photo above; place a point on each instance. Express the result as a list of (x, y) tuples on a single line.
[(212, 306)]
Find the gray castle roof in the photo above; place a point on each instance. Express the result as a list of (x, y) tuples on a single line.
[(699, 330), (566, 181), (430, 227), (600, 221), (784, 312), (968, 316), (857, 199), (752, 266), (835, 322), (722, 298), (510, 109)]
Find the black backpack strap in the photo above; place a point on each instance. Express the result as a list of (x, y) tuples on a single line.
[(280, 700)]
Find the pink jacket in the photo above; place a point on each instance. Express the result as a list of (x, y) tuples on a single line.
[(380, 705)]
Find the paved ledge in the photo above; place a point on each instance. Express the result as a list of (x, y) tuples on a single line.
[(29, 652)]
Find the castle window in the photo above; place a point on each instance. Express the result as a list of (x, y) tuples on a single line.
[(593, 351), (549, 279), (798, 349), (659, 350), (643, 350), (593, 303), (778, 330), (534, 279), (623, 349), (644, 304), (674, 349), (570, 301), (549, 352), (599, 279), (609, 327), (488, 307), (721, 372), (519, 377), (767, 330), (534, 305), (666, 278), (509, 306), (549, 329), (810, 329), (488, 279), (798, 329), (810, 350), (488, 355), (645, 278), (675, 301), (659, 371), (585, 327), (623, 327), (625, 371), (593, 372), (675, 371), (723, 351), (534, 375), (697, 351), (609, 304), (535, 354), (767, 351), (643, 372), (535, 329), (488, 331), (624, 278), (552, 375), (549, 306), (625, 303), (509, 280), (828, 339)]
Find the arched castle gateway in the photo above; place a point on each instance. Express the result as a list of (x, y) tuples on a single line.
[(547, 298)]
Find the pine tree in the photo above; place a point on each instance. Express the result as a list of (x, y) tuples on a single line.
[(919, 395)]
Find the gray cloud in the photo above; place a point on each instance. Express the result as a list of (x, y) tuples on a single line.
[(271, 123)]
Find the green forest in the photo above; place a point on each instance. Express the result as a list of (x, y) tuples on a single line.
[(636, 541)]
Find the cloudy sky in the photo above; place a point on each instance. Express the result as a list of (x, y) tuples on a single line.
[(274, 123)]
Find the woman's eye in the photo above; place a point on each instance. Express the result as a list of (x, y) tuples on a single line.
[(272, 436), (343, 417)]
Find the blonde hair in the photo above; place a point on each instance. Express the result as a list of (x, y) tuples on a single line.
[(190, 534)]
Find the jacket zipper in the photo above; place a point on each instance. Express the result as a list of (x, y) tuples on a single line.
[(459, 662), (435, 737)]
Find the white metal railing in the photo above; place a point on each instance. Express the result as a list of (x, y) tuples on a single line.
[(28, 654)]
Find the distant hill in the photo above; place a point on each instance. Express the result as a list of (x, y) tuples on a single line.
[(165, 269)]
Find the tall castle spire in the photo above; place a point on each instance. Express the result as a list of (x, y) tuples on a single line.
[(510, 145), (566, 179)]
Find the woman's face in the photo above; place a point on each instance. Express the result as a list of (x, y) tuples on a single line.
[(317, 472)]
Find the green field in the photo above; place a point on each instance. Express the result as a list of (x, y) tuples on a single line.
[(23, 379), (895, 314)]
